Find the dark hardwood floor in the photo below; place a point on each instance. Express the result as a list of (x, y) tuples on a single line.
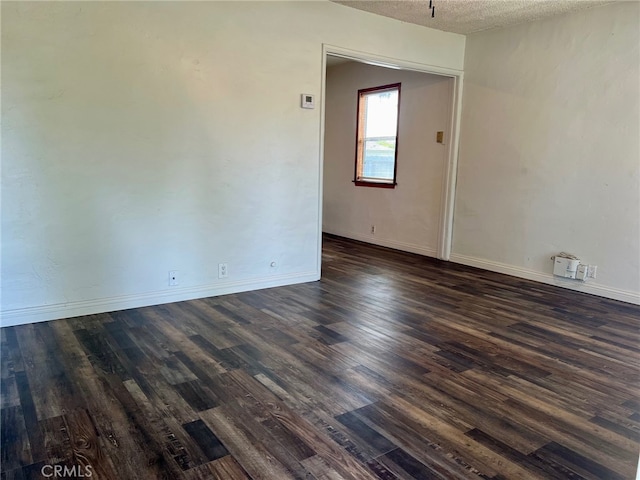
[(392, 366)]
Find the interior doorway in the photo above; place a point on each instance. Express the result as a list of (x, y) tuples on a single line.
[(416, 215)]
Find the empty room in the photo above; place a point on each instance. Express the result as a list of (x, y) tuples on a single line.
[(320, 239)]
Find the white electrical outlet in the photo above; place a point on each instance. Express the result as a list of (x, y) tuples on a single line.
[(373, 229), (173, 278), (581, 272), (592, 270), (223, 271)]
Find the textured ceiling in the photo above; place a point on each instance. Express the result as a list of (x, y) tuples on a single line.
[(469, 16)]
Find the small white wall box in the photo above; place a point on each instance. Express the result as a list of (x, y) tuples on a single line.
[(581, 274), (564, 266), (307, 100)]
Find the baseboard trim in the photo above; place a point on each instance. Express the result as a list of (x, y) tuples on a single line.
[(586, 287), (385, 242), (21, 316)]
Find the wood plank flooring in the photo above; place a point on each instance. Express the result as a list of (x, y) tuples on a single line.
[(392, 366)]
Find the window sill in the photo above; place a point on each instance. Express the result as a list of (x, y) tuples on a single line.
[(363, 183)]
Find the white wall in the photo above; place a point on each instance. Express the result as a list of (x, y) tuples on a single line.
[(408, 216), (549, 154), (143, 137)]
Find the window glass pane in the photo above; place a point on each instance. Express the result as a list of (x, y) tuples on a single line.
[(381, 114), (379, 158)]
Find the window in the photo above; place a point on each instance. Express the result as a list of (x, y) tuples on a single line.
[(377, 142)]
